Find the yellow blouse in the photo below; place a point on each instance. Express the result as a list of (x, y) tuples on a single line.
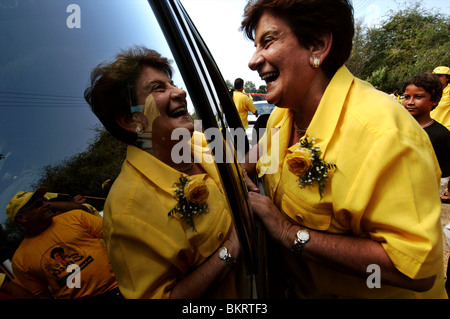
[(442, 111), (385, 187), (149, 250)]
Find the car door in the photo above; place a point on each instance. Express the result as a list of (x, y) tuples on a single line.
[(47, 129)]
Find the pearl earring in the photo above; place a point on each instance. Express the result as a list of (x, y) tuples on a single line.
[(316, 63)]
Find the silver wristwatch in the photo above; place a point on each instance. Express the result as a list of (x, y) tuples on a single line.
[(300, 241), (226, 257)]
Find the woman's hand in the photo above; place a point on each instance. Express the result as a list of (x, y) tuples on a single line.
[(276, 224), (251, 187)]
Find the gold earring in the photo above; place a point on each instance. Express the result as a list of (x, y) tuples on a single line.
[(316, 63)]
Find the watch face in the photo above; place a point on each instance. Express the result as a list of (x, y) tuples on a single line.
[(303, 235), (223, 253)]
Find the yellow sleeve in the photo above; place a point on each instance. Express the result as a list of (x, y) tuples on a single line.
[(92, 223), (250, 106), (442, 111), (143, 259), (25, 278), (396, 188)]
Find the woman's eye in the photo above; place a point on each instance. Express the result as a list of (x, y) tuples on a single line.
[(157, 88), (267, 42)]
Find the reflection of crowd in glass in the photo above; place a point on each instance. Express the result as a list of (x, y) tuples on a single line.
[(167, 230)]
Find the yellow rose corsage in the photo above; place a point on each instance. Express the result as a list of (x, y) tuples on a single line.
[(192, 199), (306, 164)]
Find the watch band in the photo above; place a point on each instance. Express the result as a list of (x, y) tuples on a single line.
[(302, 237)]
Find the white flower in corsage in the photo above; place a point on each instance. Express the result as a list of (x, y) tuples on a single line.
[(305, 162), (192, 199)]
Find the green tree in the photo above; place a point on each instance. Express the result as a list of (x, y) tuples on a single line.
[(11, 235), (249, 87), (410, 41), (85, 172), (229, 85), (359, 57), (262, 89)]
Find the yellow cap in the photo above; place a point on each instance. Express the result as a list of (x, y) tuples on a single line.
[(20, 200), (442, 70)]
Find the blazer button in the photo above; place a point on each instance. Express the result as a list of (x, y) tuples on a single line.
[(299, 218)]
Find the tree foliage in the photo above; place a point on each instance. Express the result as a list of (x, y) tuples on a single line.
[(11, 235), (85, 172), (410, 41), (249, 87)]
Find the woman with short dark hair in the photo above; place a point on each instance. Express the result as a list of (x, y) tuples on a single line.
[(351, 181), (167, 224)]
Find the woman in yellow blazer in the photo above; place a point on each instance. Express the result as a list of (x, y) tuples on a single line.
[(351, 180), (167, 225)]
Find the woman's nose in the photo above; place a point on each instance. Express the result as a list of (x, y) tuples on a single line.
[(255, 61), (178, 93)]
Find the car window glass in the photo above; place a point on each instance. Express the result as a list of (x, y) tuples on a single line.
[(49, 49)]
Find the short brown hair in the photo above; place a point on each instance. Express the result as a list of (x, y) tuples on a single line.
[(112, 87), (309, 19)]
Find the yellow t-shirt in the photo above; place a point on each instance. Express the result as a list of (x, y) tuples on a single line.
[(385, 187), (149, 250), (442, 111), (2, 278), (72, 238), (243, 105)]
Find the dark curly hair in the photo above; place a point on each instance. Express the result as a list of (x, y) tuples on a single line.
[(111, 90), (429, 82), (309, 19)]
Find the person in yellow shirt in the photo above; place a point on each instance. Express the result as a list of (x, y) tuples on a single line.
[(10, 290), (61, 256), (244, 103), (167, 223), (442, 111), (351, 180)]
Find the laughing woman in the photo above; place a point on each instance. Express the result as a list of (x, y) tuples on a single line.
[(166, 237), (351, 179)]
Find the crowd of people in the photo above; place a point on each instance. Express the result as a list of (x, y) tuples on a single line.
[(356, 184)]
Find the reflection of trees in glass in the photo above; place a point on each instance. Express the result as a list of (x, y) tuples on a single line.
[(85, 172), (11, 235)]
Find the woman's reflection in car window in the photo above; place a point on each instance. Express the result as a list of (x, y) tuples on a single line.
[(167, 225)]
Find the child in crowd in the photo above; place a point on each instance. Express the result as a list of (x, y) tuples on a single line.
[(422, 94)]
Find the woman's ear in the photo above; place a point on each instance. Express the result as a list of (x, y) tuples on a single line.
[(134, 124), (320, 49)]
